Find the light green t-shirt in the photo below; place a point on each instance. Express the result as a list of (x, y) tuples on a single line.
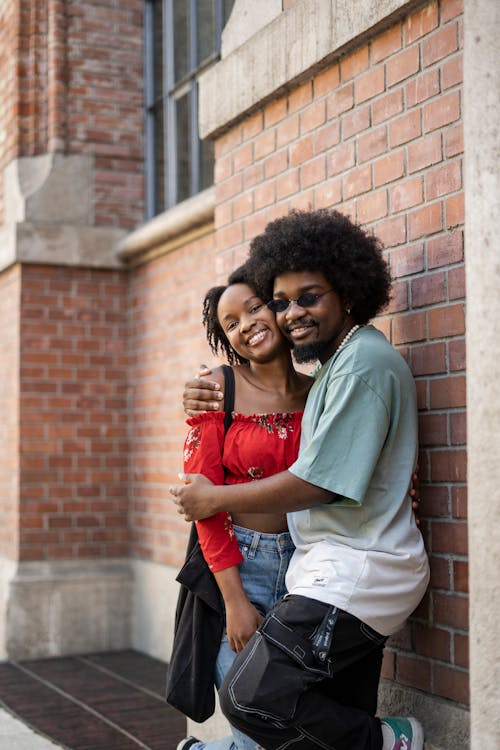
[(364, 552)]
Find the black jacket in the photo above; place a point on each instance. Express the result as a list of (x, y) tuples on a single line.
[(199, 623)]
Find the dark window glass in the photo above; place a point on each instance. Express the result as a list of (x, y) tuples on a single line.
[(182, 38)]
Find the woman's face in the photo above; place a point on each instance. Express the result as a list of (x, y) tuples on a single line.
[(249, 325)]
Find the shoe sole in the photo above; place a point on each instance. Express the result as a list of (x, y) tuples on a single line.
[(417, 741)]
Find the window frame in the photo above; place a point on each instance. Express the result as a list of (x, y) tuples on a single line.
[(170, 94)]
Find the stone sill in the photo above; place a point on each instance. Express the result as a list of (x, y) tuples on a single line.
[(184, 223)]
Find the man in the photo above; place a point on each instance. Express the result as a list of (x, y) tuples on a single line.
[(360, 567)]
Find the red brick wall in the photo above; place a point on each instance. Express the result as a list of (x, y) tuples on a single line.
[(10, 286), (378, 135), (167, 343), (72, 81), (73, 414)]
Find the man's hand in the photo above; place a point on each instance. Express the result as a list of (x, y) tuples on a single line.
[(415, 494), (201, 394), (193, 497)]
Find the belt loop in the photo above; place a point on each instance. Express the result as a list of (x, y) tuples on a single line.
[(253, 546)]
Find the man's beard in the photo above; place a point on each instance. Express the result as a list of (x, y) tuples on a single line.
[(309, 352)]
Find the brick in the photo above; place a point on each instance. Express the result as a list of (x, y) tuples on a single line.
[(340, 101), (454, 209), (458, 428), (456, 354), (406, 194), (274, 112), (223, 168), (389, 168), (433, 429), (421, 23), (461, 649), (242, 205), (328, 194), (253, 175), (300, 97), (459, 502), (326, 81), (451, 683), (242, 157), (388, 665), (447, 392), (428, 289), (399, 295), (440, 44), (265, 195), (408, 328), (228, 142), (252, 126), (229, 188), (451, 610), (407, 260), (425, 221), (386, 44), (454, 141), (354, 64), (287, 131), (355, 122), (288, 184), (452, 72), (424, 153), (275, 164), (404, 129), (341, 159), (301, 151), (374, 143), (448, 466), (429, 359), (445, 250), (313, 117), (264, 144), (326, 137), (443, 180), (432, 642), (456, 283), (369, 85), (372, 206), (357, 181), (449, 537), (413, 671), (450, 9), (422, 88), (391, 231), (440, 573), (387, 106), (461, 575), (402, 66), (442, 112), (313, 172)]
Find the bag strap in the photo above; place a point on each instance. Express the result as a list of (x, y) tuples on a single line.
[(228, 396)]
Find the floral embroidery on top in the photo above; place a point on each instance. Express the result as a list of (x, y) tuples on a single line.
[(228, 526), (283, 423), (192, 442), (255, 472)]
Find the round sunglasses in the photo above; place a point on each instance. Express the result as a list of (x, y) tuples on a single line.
[(308, 299)]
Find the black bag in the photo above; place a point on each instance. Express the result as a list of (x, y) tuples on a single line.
[(199, 619)]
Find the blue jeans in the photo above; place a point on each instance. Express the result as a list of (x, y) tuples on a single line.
[(263, 577)]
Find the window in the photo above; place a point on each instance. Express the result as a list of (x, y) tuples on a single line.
[(182, 38)]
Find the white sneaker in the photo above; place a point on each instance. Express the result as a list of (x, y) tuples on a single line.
[(400, 733)]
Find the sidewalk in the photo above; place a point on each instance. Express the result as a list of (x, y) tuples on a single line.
[(105, 701), (14, 735)]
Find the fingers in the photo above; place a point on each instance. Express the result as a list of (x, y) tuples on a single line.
[(193, 407), (201, 384)]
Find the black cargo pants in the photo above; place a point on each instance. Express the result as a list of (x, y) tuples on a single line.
[(307, 679)]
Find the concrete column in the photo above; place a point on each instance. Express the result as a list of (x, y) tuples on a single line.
[(481, 106)]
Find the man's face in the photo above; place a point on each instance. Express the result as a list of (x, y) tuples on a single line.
[(315, 330)]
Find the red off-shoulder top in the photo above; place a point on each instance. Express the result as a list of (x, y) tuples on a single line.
[(254, 447)]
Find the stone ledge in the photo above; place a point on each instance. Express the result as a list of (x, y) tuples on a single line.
[(68, 607), (307, 36), (169, 230), (59, 244)]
